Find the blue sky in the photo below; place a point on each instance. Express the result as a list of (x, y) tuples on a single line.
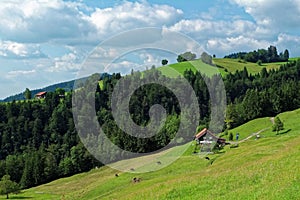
[(47, 41)]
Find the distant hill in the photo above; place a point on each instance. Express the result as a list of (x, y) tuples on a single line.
[(67, 86)]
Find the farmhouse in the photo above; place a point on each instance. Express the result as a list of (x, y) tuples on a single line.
[(208, 140), (41, 95)]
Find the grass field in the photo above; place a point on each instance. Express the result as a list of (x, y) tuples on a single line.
[(231, 65), (252, 127), (177, 69), (226, 65), (267, 168)]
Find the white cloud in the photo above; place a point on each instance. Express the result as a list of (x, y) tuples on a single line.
[(124, 67), (234, 44), (16, 73), (17, 50), (131, 15), (68, 62), (40, 21), (74, 22), (275, 14), (200, 28), (290, 42)]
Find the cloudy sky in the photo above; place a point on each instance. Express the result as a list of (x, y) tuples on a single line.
[(47, 41)]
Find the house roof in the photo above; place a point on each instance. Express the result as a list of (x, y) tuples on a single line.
[(204, 132), (41, 93)]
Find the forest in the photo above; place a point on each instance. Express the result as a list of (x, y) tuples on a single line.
[(269, 55), (39, 141)]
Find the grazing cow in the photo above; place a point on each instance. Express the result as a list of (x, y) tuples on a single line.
[(136, 180)]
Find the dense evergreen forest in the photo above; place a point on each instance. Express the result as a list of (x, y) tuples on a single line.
[(39, 142)]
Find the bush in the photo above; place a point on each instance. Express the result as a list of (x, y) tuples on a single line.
[(230, 138), (259, 62)]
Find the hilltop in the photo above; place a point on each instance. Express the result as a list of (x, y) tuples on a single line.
[(223, 66), (258, 169)]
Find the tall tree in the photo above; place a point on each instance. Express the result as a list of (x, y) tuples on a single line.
[(27, 94), (206, 58), (286, 55), (272, 54), (7, 186)]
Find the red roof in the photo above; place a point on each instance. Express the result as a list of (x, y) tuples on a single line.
[(41, 93)]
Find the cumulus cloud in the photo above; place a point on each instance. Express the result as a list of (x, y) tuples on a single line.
[(74, 22), (275, 14), (15, 50), (20, 73), (40, 21), (131, 15), (291, 42), (68, 62), (124, 67), (201, 29), (234, 44)]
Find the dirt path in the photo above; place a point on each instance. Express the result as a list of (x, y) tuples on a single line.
[(272, 120), (247, 138)]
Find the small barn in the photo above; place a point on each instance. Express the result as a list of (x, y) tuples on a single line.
[(208, 140), (41, 95)]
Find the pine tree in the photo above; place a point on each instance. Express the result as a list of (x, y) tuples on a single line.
[(286, 55)]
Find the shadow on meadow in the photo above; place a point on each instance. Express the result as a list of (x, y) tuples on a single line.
[(284, 132)]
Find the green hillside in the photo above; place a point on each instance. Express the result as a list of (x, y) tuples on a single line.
[(225, 65), (267, 168), (231, 65), (173, 70)]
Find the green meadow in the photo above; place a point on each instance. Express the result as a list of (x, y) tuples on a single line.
[(223, 67), (265, 168), (231, 65)]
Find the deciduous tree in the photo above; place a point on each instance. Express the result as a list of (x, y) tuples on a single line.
[(7, 186), (164, 62), (278, 125), (27, 94)]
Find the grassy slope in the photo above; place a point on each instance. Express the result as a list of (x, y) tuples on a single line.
[(253, 126), (233, 64), (174, 70), (267, 168)]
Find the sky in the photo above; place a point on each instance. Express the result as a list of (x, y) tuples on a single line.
[(43, 42)]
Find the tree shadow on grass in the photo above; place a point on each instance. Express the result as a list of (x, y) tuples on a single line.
[(16, 197), (284, 132)]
